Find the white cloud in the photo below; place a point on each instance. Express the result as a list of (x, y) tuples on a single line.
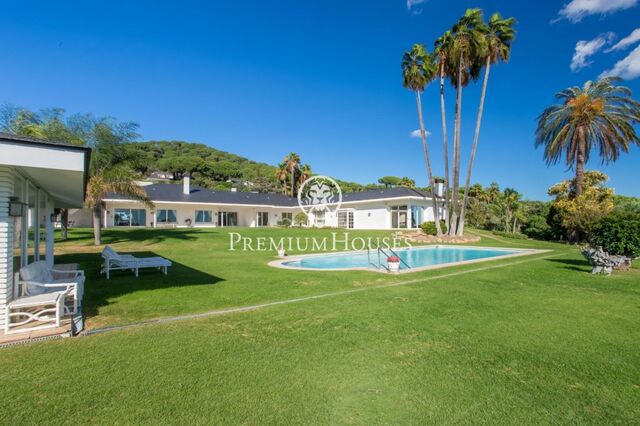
[(414, 6), (416, 133), (627, 41), (627, 68), (586, 48), (575, 10)]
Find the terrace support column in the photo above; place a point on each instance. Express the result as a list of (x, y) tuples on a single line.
[(36, 227), (24, 227), (6, 241), (49, 233)]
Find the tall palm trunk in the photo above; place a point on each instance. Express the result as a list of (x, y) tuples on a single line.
[(445, 145), (476, 136), (580, 160), (453, 223), (293, 177), (97, 231), (64, 224), (423, 134)]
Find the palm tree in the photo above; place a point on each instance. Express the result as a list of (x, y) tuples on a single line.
[(598, 114), (418, 69), (466, 46), (442, 48), (118, 180), (305, 173), (498, 35), (293, 162), (407, 182), (282, 175)]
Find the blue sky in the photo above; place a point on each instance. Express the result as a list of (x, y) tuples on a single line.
[(321, 78)]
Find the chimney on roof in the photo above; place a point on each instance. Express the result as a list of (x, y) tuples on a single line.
[(234, 189), (186, 185), (439, 188)]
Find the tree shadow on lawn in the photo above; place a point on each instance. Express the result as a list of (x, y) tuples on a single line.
[(148, 235), (580, 265), (98, 290)]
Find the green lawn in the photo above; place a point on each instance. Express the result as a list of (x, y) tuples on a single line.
[(536, 340)]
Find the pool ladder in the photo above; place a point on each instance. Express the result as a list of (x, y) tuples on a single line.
[(381, 251)]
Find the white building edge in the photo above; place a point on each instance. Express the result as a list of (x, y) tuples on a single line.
[(36, 177), (186, 206)]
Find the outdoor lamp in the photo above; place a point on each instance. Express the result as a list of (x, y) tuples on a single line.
[(16, 208)]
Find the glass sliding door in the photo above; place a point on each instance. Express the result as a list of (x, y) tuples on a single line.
[(166, 216), (204, 216), (122, 217), (227, 219), (130, 217), (345, 219), (399, 217), (138, 217), (262, 219), (416, 216)]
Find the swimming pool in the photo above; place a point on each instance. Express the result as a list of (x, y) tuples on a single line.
[(413, 259)]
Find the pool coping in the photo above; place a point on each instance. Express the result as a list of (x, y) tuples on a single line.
[(279, 263)]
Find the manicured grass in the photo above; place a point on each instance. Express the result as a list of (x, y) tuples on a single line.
[(540, 341)]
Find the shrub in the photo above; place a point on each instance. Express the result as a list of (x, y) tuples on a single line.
[(429, 228), (284, 222), (514, 235), (300, 219), (618, 234)]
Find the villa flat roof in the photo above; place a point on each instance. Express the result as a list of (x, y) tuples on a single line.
[(167, 192)]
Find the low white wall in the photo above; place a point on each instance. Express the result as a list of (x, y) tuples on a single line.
[(81, 218)]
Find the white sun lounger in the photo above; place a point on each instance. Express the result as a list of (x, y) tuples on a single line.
[(114, 261)]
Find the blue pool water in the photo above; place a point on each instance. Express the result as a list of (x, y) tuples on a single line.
[(415, 257)]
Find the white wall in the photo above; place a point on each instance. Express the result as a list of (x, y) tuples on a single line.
[(247, 216), (367, 215), (6, 241)]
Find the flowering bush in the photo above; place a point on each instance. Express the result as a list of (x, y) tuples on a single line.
[(393, 259)]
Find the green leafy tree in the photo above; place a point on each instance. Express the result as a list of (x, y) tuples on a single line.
[(418, 70), (109, 169), (599, 115), (407, 182), (389, 181), (574, 214)]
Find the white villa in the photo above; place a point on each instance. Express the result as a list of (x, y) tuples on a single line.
[(185, 206), (36, 178)]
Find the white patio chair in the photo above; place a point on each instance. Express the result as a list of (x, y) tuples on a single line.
[(114, 261)]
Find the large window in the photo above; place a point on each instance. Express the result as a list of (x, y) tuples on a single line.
[(263, 219), (345, 219), (130, 217), (318, 218), (399, 217), (204, 216), (416, 216), (227, 219), (166, 216), (288, 215)]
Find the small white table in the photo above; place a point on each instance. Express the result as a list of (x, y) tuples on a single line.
[(51, 305)]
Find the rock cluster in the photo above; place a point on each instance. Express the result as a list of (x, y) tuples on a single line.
[(421, 237), (603, 262)]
